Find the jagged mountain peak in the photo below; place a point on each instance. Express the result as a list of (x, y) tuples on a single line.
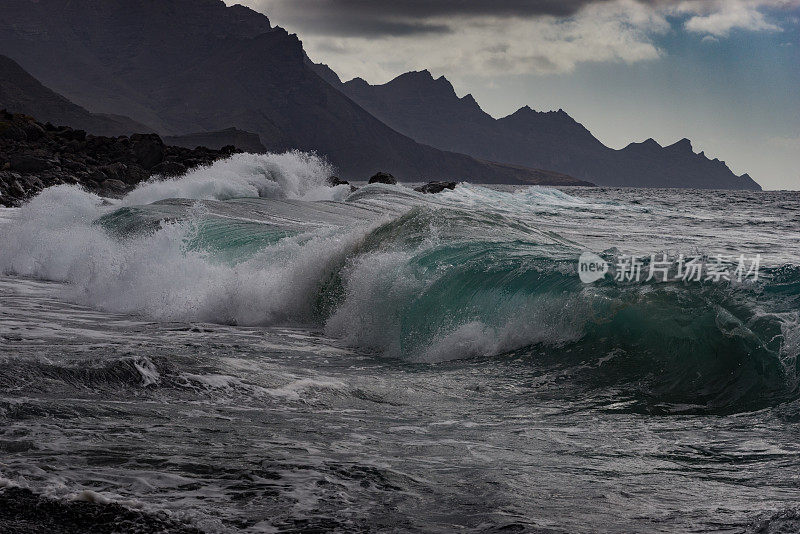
[(524, 110), (244, 13), (684, 145), (527, 111), (324, 72), (423, 74), (415, 104), (470, 101), (528, 118), (358, 81), (200, 65), (423, 81), (649, 143)]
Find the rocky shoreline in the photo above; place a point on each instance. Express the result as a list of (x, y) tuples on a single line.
[(34, 156)]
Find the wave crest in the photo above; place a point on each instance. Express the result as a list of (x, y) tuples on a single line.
[(295, 175), (433, 281)]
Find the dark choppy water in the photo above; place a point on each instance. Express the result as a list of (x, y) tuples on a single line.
[(392, 361)]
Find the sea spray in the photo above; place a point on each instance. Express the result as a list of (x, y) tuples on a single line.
[(429, 278), (296, 175), (159, 272)]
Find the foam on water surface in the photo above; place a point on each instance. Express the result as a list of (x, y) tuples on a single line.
[(244, 348)]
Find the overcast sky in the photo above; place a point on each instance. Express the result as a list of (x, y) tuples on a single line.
[(725, 73)]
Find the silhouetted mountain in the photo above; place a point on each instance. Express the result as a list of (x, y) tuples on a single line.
[(429, 111), (22, 93), (197, 65)]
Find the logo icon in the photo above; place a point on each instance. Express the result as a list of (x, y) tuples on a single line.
[(591, 267)]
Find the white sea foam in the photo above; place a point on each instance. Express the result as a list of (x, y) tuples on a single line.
[(146, 368), (377, 285), (89, 496), (301, 389), (156, 274), (381, 286), (295, 175), (294, 280), (477, 339), (53, 238), (7, 215)]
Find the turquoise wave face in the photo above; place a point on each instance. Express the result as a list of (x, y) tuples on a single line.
[(432, 283), (470, 273)]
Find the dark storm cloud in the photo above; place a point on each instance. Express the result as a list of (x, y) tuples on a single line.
[(421, 9), (364, 25), (372, 18)]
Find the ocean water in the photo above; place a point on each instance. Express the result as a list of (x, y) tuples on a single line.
[(246, 349)]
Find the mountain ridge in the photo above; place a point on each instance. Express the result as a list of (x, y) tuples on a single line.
[(428, 109), (198, 65), (22, 93)]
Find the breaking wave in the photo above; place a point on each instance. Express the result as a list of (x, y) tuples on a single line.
[(464, 274), (294, 174)]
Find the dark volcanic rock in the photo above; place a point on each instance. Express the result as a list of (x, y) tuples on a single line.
[(11, 131), (383, 178), (35, 156), (335, 180), (169, 168), (435, 187), (112, 187), (148, 149), (27, 163)]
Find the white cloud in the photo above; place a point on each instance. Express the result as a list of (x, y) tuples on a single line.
[(491, 47), (718, 17)]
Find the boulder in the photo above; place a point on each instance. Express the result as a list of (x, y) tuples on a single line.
[(31, 183), (148, 149), (333, 181), (16, 189), (169, 168), (435, 187), (33, 131), (383, 178), (28, 163), (34, 156), (113, 188), (11, 131), (68, 134)]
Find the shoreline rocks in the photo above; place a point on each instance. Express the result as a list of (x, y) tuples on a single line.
[(34, 156), (383, 178), (333, 181), (435, 187)]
